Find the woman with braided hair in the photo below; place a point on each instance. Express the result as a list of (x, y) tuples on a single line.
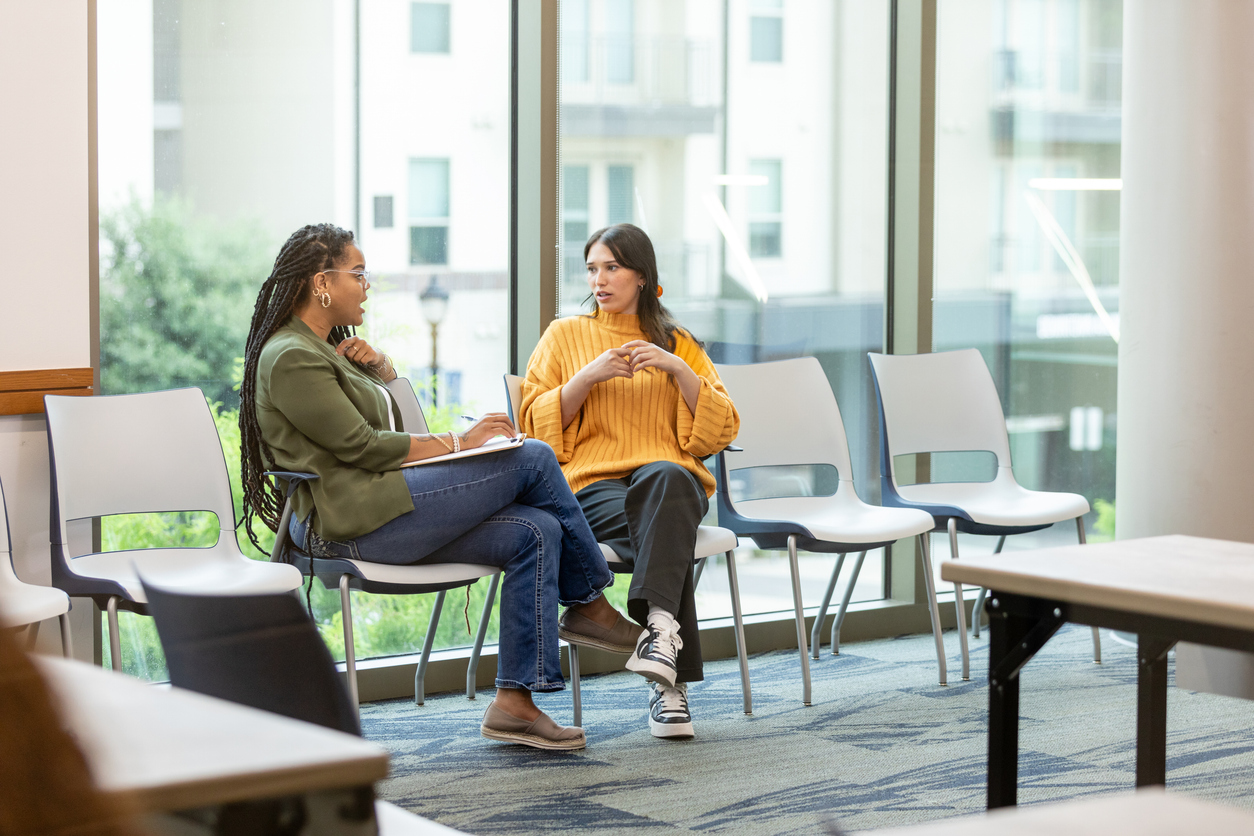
[(312, 400)]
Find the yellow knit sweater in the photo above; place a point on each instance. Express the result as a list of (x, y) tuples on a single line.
[(623, 424)]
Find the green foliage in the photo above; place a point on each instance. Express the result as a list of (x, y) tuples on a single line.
[(176, 297), (383, 625), (1104, 526)]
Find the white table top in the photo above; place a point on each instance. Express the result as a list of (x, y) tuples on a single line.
[(1147, 812), (1189, 578), (168, 749)]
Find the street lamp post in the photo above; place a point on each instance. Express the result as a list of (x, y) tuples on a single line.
[(434, 301)]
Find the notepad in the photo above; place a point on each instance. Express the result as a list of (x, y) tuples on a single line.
[(491, 446)]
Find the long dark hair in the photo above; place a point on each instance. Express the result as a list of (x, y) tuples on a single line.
[(310, 250), (632, 249)]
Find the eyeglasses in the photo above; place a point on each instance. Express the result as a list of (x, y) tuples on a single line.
[(362, 276)]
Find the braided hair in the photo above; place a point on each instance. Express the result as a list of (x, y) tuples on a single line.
[(310, 250)]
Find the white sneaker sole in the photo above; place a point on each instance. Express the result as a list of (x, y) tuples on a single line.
[(652, 671), (665, 730)]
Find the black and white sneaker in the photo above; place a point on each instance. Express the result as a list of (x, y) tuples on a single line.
[(654, 656), (668, 711)]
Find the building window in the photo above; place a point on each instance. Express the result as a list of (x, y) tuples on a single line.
[(574, 41), (383, 211), (428, 211), (574, 220), (765, 210), (620, 182), (766, 31), (620, 64), (429, 27)]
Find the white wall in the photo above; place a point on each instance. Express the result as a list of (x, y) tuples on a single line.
[(44, 225)]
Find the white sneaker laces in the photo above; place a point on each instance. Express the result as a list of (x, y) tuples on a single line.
[(674, 700), (669, 636)]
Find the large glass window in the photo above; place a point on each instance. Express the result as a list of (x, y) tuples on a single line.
[(766, 206), (224, 127), (1027, 232)]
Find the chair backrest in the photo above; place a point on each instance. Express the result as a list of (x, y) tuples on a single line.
[(941, 402), (513, 397), (788, 416), (261, 651), (411, 411), (7, 572), (134, 454)]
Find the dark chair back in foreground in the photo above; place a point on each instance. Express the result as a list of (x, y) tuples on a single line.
[(261, 651)]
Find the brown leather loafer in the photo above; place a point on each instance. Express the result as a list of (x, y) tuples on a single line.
[(542, 732), (576, 628)]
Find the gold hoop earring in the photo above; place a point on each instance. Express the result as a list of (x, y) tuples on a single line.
[(326, 299)]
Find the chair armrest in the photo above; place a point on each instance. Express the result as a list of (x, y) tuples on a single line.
[(292, 478), (278, 554), (730, 448)]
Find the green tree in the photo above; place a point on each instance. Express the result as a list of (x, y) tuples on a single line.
[(176, 297)]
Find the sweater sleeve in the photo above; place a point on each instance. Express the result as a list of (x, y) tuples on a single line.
[(716, 422), (305, 389), (541, 413)]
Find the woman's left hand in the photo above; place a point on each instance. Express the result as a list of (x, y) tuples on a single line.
[(359, 351), (646, 355)]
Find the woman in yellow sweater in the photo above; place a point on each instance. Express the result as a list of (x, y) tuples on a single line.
[(631, 404)]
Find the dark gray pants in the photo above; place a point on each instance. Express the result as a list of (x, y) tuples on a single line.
[(650, 520)]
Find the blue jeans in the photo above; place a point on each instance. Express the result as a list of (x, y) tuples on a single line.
[(513, 510)]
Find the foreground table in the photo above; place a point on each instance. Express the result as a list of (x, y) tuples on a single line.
[(166, 749), (1164, 589), (1147, 812)]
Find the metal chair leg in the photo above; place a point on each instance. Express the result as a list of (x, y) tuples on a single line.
[(929, 584), (799, 613), (576, 696), (696, 573), (32, 635), (959, 604), (67, 640), (816, 632), (844, 604), (1097, 636), (115, 641), (741, 652), (472, 667), (350, 656), (420, 675), (978, 610)]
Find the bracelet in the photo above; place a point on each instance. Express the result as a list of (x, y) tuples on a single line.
[(380, 367), (457, 444), (442, 441)]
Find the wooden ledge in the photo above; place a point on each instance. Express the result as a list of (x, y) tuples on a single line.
[(22, 392)]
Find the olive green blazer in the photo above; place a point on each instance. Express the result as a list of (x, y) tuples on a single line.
[(321, 414)]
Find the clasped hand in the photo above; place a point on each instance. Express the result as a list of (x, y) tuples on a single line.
[(359, 351), (630, 358)]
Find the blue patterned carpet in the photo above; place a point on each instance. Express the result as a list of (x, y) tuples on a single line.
[(882, 745)]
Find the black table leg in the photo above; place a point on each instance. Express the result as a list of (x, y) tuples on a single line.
[(1151, 710), (1013, 640)]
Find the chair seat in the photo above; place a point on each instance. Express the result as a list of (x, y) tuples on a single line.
[(25, 603), (419, 574), (213, 571), (711, 540), (1002, 502), (840, 518)]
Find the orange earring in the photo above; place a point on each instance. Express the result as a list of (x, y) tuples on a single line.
[(659, 291)]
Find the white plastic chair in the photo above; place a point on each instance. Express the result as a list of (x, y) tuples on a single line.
[(389, 579), (22, 603), (711, 541), (136, 454), (789, 416), (947, 402)]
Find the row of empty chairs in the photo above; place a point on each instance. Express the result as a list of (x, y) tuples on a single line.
[(789, 417)]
